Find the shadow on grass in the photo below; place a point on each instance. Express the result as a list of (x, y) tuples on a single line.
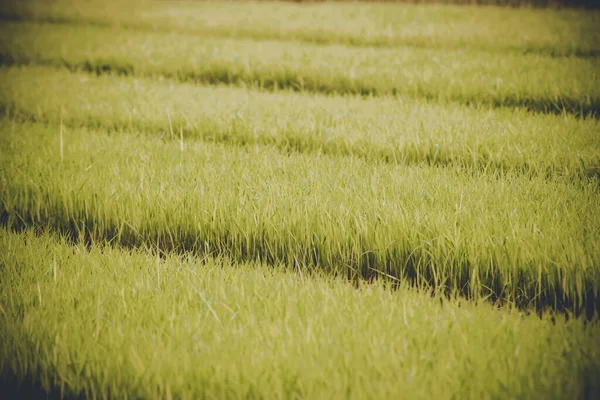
[(396, 266), (30, 388)]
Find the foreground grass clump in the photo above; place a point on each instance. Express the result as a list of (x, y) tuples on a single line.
[(564, 33), (108, 322), (539, 83), (526, 240), (393, 130)]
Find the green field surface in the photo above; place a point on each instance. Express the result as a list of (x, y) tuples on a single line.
[(107, 322), (515, 238), (537, 82), (211, 199), (564, 33), (380, 129)]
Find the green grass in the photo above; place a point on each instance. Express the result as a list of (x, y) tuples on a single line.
[(563, 33), (529, 241), (126, 324), (269, 200), (537, 82), (394, 130)]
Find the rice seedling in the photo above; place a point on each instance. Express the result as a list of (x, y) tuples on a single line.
[(533, 81), (528, 241), (103, 324), (249, 200), (564, 33), (381, 129)]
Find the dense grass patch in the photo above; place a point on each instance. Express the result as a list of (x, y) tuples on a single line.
[(248, 200), (107, 322), (536, 82), (394, 130), (564, 33), (526, 240)]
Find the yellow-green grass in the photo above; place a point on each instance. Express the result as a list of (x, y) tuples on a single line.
[(383, 129), (526, 240), (164, 239), (533, 81), (105, 322), (558, 33)]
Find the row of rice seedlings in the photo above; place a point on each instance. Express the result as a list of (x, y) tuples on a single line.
[(564, 33), (394, 130), (106, 322), (525, 240), (538, 83)]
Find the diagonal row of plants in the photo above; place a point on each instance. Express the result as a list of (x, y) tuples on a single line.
[(564, 33), (536, 82), (525, 240), (113, 322), (384, 129)]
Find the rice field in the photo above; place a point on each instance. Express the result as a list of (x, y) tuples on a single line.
[(109, 322), (540, 83), (281, 200)]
